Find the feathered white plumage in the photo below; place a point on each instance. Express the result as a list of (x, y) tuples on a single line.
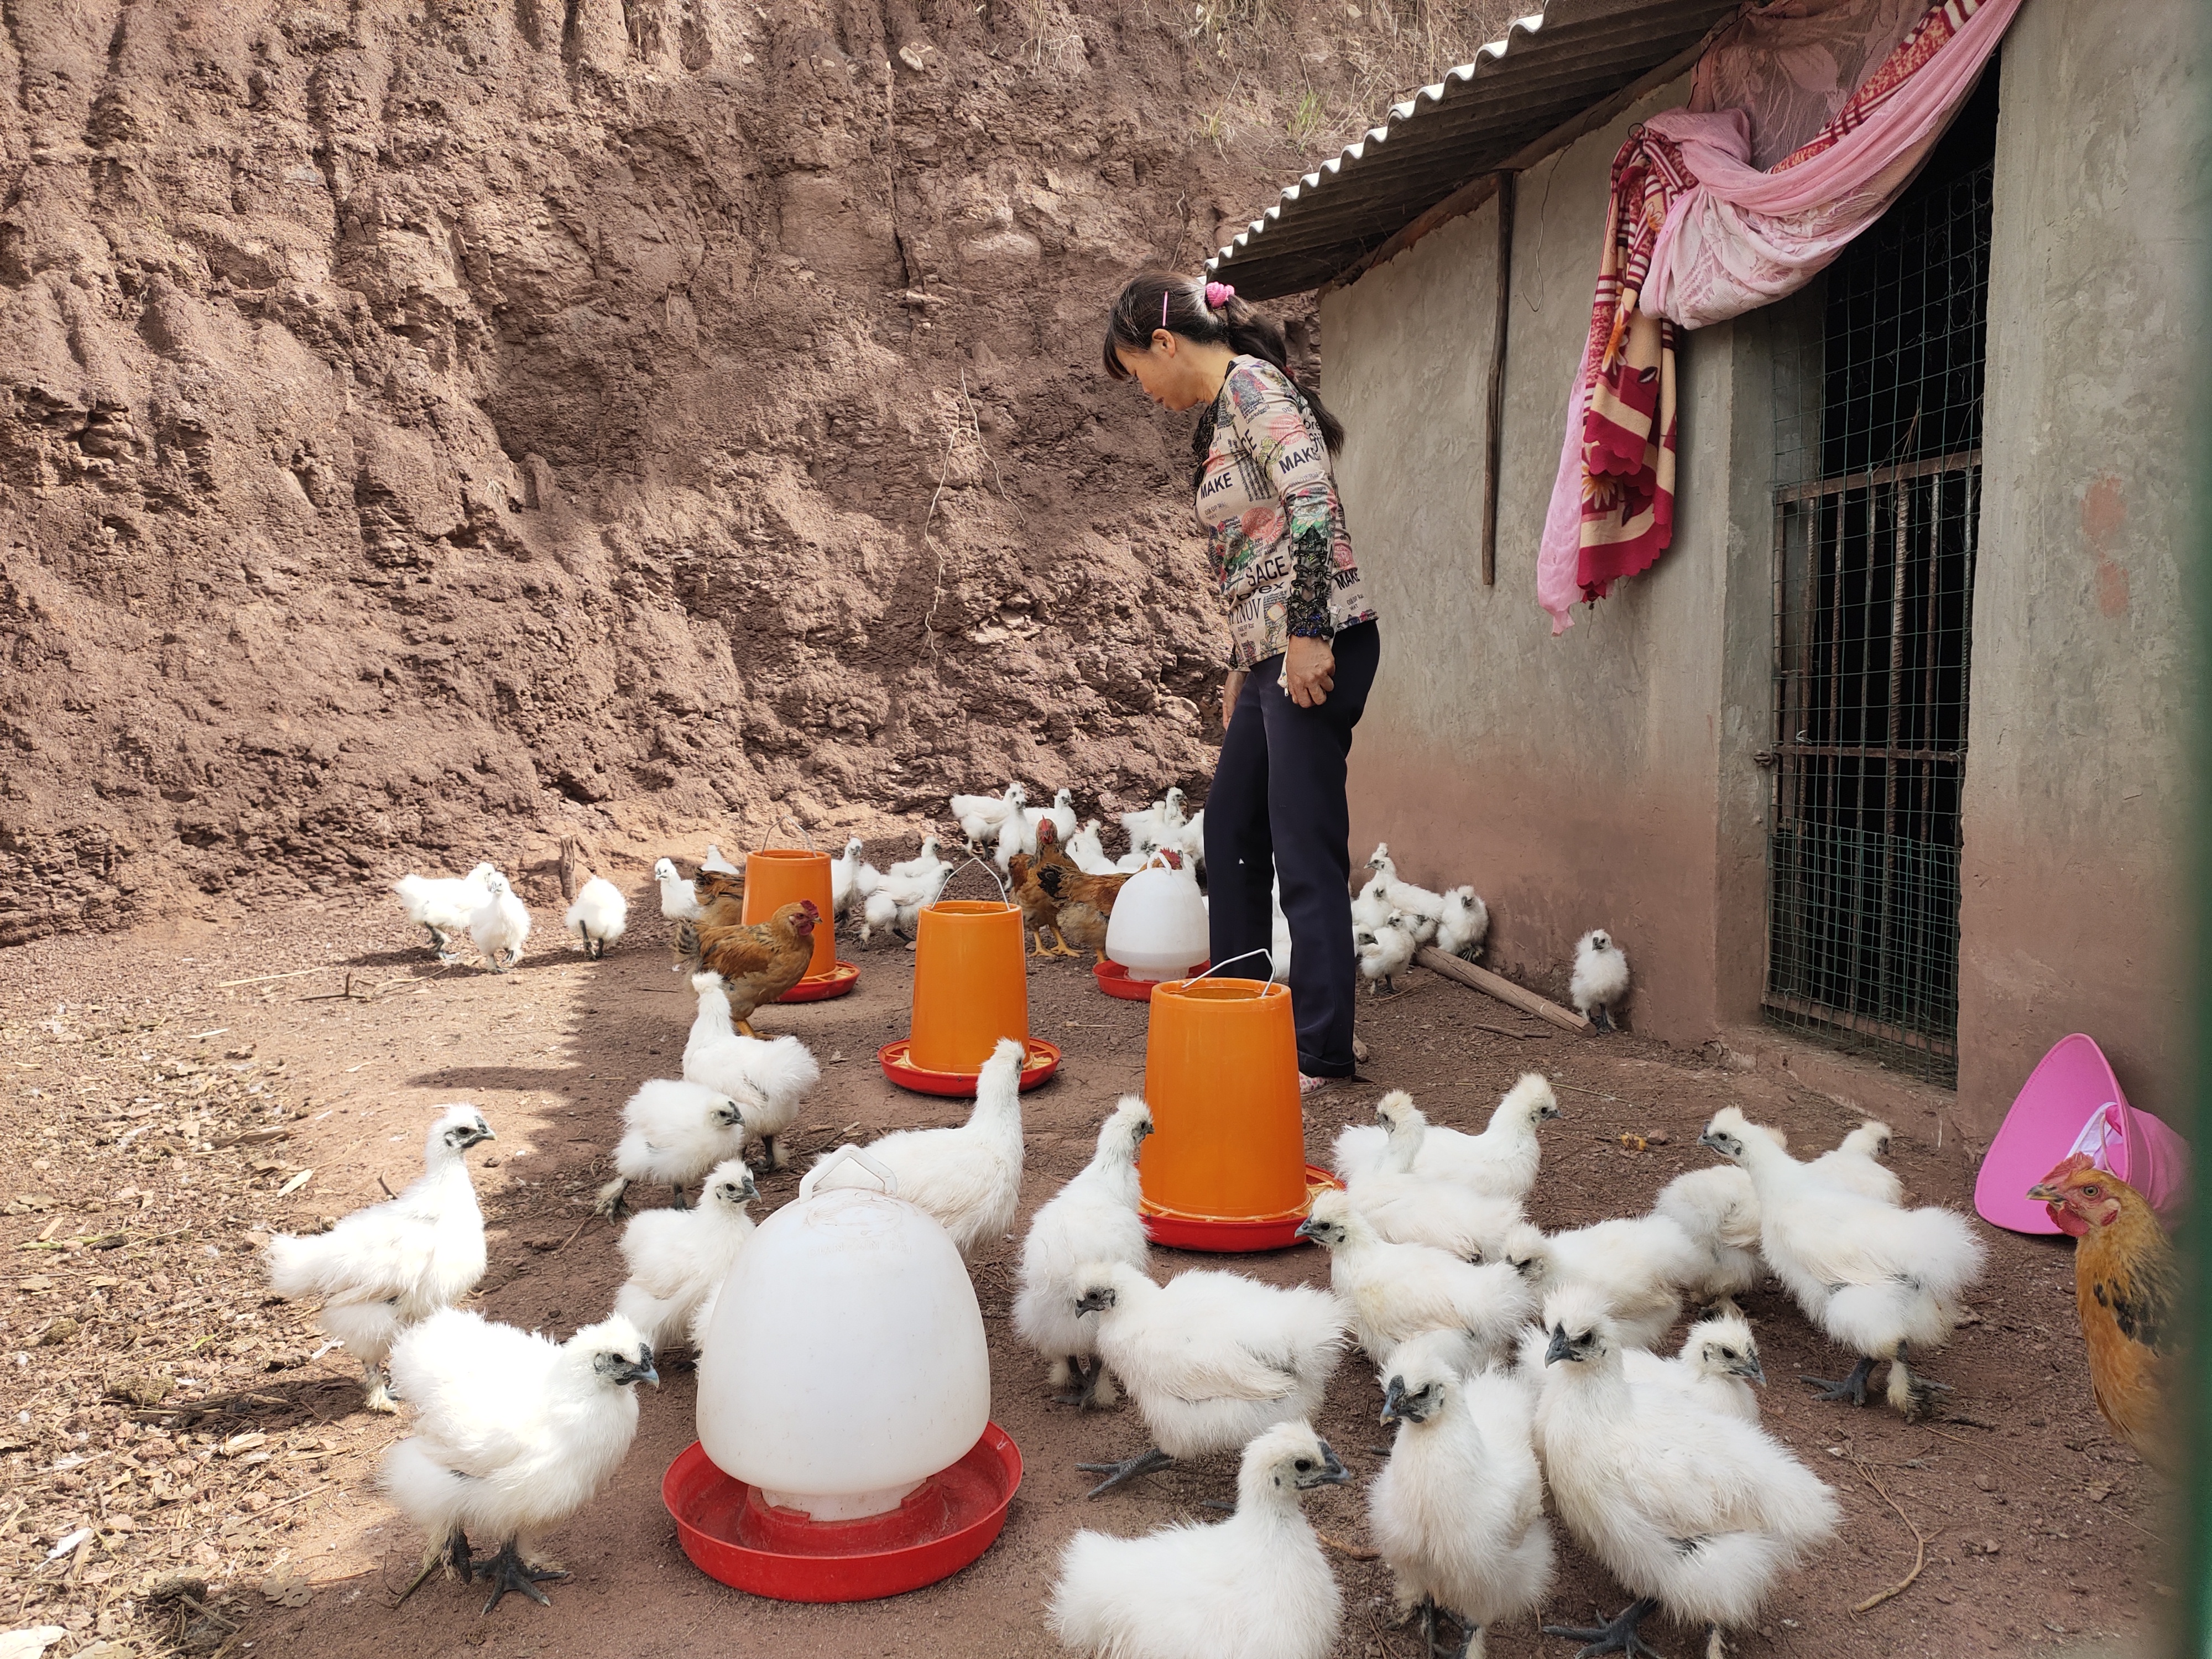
[(675, 1132), (1154, 825), (679, 899), (1422, 910), (771, 1076), (843, 869), (1692, 1510), (1600, 979), (1458, 1511), (599, 917), (443, 906), (980, 816), (1502, 1160), (1852, 1165), (715, 862), (1464, 924), (1396, 1292), (1210, 1358), (500, 925), (1062, 814), (969, 1177), (1718, 1210), (391, 1265), (513, 1434), (678, 1258), (1636, 1265), (1093, 1219), (1256, 1586), (1371, 908), (1087, 853), (1406, 1207), (1386, 952), (924, 864), (1717, 1365), (1880, 1280)]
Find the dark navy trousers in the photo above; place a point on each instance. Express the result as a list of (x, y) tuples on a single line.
[(1277, 808)]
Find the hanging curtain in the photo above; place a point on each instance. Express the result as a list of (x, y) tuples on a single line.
[(1696, 233)]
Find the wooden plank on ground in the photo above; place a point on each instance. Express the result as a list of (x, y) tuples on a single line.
[(1504, 989)]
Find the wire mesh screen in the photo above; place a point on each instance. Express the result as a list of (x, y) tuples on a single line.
[(1876, 507)]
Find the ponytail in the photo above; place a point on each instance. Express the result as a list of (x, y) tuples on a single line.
[(1161, 298)]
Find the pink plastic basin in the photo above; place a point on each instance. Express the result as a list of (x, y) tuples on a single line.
[(2070, 1087)]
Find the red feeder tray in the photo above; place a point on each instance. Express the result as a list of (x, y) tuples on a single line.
[(1114, 979), (820, 988), (1042, 1060), (1232, 1235), (732, 1534)]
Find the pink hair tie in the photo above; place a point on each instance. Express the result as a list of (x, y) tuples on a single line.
[(1218, 295)]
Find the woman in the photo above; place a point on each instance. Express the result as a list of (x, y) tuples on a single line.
[(1303, 645)]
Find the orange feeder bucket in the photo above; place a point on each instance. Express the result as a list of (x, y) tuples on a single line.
[(1225, 1168), (777, 876), (971, 988)]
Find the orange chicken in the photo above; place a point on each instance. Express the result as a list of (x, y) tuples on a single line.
[(1040, 909), (1086, 901), (758, 961)]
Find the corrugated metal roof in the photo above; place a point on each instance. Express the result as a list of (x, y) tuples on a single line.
[(1550, 66)]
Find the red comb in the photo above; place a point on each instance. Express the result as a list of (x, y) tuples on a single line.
[(2074, 1165)]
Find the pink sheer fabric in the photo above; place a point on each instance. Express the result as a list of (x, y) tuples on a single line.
[(1790, 65), (1740, 237)]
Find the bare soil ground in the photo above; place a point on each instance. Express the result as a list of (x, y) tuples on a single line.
[(169, 1091)]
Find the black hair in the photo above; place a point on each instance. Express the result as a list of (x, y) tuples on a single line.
[(1163, 299)]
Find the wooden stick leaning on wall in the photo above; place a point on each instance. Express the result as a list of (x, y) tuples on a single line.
[(1504, 989), (1494, 421)]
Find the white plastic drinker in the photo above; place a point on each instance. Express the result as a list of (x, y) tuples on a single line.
[(1158, 928)]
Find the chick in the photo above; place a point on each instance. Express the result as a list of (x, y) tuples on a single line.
[(1693, 1511), (1093, 1219), (980, 816), (675, 1132), (385, 1267), (1087, 853), (969, 1177), (891, 903), (1385, 953), (1636, 1265), (599, 916), (1371, 906), (1156, 824), (1464, 924), (715, 864), (679, 899), (513, 1434), (1718, 1210), (1255, 1586), (1880, 1280), (1399, 1291), (1210, 1358), (1852, 1166), (1422, 910), (843, 870), (1717, 1365), (500, 925), (773, 1075), (678, 1258), (924, 864), (1458, 1511), (442, 905), (1502, 1160), (1600, 978), (1406, 1207)]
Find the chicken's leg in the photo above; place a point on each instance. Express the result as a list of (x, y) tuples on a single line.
[(1477, 1645), (1599, 1018), (1037, 939), (1118, 1474), (453, 1553), (376, 1395), (778, 1158), (1619, 1637), (507, 1571), (610, 1202), (1852, 1388), (745, 1028), (678, 1200), (1911, 1394), (1065, 948)]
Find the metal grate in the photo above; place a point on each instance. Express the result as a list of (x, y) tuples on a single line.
[(1876, 507)]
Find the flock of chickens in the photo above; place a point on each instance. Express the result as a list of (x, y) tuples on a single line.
[(1512, 1362)]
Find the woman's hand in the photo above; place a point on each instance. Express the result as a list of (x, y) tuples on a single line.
[(1231, 689), (1310, 665)]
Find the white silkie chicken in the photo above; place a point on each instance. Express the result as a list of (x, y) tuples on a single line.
[(980, 816), (715, 863), (1458, 1511), (1852, 1165), (895, 903), (1255, 1586), (925, 863), (679, 899), (1087, 853), (1692, 1510), (1718, 1209), (842, 869), (1385, 953), (675, 1132), (1278, 948), (969, 1177), (773, 1076), (442, 906), (1094, 1218), (1211, 1359), (1636, 1264), (1189, 840), (599, 917), (513, 1434), (1371, 908), (1717, 1365), (1882, 1281), (1600, 980), (1502, 1160), (1464, 925), (1398, 1291), (1155, 825), (391, 1265), (678, 1258), (1422, 910), (1406, 1207), (500, 926), (1062, 814)]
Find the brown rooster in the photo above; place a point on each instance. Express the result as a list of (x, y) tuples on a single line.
[(2127, 1290), (1086, 901), (721, 896), (1039, 909), (758, 961)]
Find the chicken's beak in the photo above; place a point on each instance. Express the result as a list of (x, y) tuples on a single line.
[(1304, 1229), (1707, 1141), (2044, 1192), (642, 1372), (1332, 1472), (1559, 1348), (482, 1132), (1090, 1302), (1749, 1366)]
